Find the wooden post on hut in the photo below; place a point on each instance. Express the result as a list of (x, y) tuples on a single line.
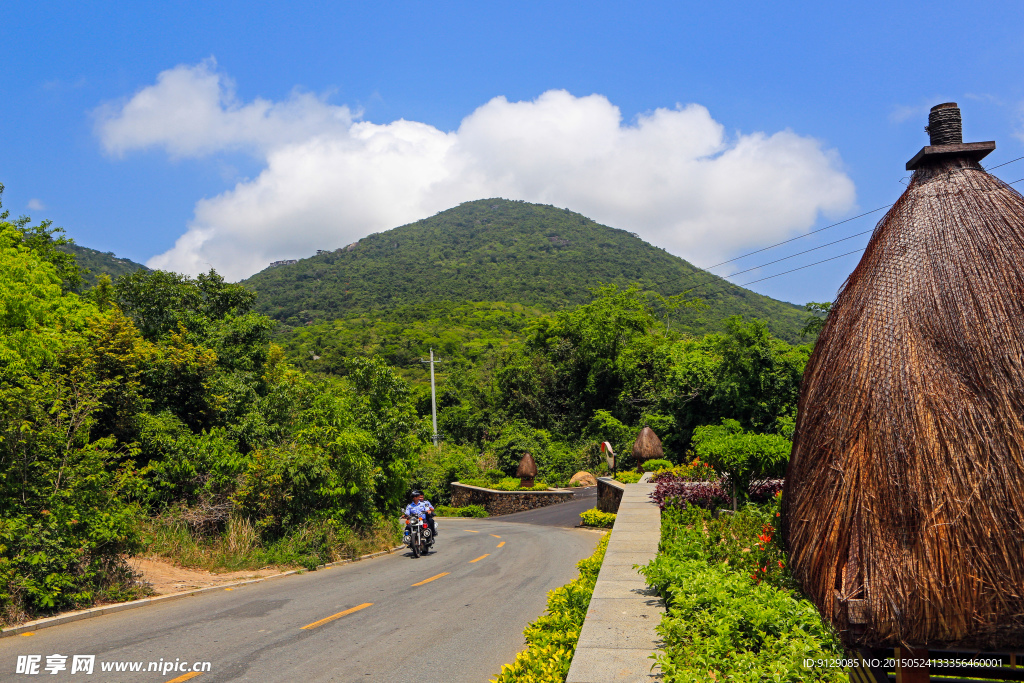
[(903, 504), (646, 447)]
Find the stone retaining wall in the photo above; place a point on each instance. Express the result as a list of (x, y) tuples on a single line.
[(506, 502), (609, 494)]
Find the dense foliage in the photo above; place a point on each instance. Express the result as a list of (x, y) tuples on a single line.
[(551, 640), (154, 409), (500, 250), (96, 263), (733, 612), (599, 372)]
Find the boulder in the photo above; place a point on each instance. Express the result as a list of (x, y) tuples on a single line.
[(583, 479)]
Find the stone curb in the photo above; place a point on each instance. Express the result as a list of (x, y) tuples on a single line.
[(68, 617), (618, 636)]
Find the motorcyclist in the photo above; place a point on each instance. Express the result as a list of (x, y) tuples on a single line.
[(420, 507)]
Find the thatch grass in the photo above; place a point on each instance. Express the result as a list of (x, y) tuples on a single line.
[(905, 488), (647, 445)]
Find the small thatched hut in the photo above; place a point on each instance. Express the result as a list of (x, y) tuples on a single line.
[(904, 498), (647, 446), (527, 471)]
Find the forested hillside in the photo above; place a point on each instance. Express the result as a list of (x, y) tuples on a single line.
[(98, 263), (497, 250)]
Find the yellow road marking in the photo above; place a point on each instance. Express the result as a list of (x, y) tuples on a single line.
[(496, 535), (335, 616), (432, 578), (479, 558), (471, 531), (501, 544), (182, 679), (229, 589), (26, 635)]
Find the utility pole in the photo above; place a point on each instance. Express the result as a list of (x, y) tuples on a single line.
[(433, 393)]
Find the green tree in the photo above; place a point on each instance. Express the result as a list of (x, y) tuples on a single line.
[(743, 457)]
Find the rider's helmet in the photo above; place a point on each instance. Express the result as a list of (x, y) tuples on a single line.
[(417, 493)]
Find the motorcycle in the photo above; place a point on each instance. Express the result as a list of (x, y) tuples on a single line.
[(418, 536)]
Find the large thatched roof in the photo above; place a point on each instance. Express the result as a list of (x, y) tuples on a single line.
[(647, 445), (904, 499)]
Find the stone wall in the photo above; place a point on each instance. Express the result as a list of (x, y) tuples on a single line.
[(609, 494), (506, 502)]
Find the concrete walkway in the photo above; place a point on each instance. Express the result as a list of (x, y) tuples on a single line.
[(618, 635)]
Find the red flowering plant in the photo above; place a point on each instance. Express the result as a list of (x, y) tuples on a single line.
[(766, 552)]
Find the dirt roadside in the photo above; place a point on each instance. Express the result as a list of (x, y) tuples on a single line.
[(167, 578)]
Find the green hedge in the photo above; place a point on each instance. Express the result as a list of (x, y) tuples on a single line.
[(506, 484), (552, 638), (729, 618), (656, 464), (595, 517), (466, 511)]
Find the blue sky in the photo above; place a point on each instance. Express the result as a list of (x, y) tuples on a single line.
[(782, 117)]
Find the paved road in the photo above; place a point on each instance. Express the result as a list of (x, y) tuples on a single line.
[(563, 514), (461, 626)]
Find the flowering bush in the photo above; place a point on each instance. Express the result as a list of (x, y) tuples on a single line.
[(734, 613), (696, 470), (765, 491)]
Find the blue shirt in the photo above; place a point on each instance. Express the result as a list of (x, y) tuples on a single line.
[(418, 509)]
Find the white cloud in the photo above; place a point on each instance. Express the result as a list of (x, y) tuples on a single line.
[(672, 175), (35, 205)]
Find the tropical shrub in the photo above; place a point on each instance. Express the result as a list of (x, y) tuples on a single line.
[(551, 640), (464, 511), (595, 517), (727, 619), (627, 477), (655, 465)]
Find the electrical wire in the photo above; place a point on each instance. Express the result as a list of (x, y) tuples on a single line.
[(855, 251), (827, 227)]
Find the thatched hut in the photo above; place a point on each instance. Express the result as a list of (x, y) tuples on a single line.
[(904, 498), (526, 471), (647, 446)]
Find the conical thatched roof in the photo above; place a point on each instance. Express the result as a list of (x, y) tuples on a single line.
[(904, 498), (647, 445), (527, 467)]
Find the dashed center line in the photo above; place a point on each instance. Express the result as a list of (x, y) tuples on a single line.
[(432, 578), (186, 677), (501, 544), (479, 558), (470, 531), (496, 535), (336, 616)]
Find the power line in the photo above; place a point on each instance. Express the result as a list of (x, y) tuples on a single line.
[(855, 251), (827, 227), (799, 237), (834, 257), (799, 253)]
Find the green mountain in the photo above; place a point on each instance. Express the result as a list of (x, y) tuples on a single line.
[(496, 250), (99, 262)]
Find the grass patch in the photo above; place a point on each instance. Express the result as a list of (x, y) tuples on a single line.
[(595, 517), (240, 547), (552, 639), (465, 511)]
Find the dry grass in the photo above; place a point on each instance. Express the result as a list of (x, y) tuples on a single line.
[(904, 485), (239, 546)]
